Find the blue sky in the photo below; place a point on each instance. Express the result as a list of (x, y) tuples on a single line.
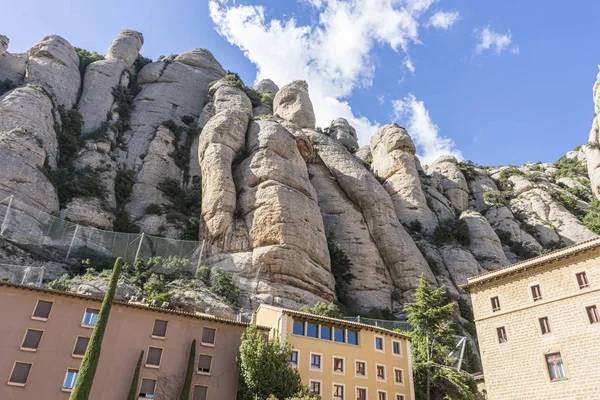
[(498, 82)]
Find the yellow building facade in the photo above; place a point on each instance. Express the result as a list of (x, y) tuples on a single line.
[(538, 326), (340, 359)]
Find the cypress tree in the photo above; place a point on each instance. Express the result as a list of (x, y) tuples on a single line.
[(133, 392), (187, 385), (89, 364)]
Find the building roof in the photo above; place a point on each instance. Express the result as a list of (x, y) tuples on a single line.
[(204, 317), (336, 321), (532, 263)]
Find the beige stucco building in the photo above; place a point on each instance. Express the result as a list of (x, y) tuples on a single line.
[(538, 325), (44, 335), (342, 359)]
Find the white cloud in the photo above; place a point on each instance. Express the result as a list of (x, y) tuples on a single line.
[(488, 40), (381, 99), (332, 55), (409, 64), (444, 20), (412, 113), (314, 3)]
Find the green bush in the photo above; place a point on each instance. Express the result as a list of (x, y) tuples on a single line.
[(234, 79), (62, 284), (5, 86), (141, 62), (592, 219), (415, 226), (124, 100), (465, 310), (581, 193), (184, 209), (369, 159), (123, 223), (467, 167), (497, 198), (340, 269), (204, 274), (188, 119), (323, 309), (450, 230), (86, 58), (570, 167), (154, 209), (267, 99), (503, 182), (221, 284)]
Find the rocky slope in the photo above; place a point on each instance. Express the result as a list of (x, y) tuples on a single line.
[(181, 148)]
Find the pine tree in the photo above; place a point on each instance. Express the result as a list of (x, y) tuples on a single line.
[(133, 391), (432, 339), (89, 364), (187, 385)]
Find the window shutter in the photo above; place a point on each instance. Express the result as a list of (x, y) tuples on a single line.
[(208, 336), (32, 339), (20, 373), (200, 392), (81, 346), (43, 309), (204, 363), (154, 355), (160, 328), (148, 386)]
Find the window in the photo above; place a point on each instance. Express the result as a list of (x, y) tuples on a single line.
[(315, 387), (396, 348), (160, 329), (501, 335), (399, 397), (42, 310), (338, 365), (294, 357), (582, 280), (70, 379), (592, 313), (90, 317), (154, 357), (80, 346), (556, 367), (381, 372), (208, 336), (353, 337), (298, 328), (338, 392), (315, 361), (398, 376), (378, 343), (312, 330), (325, 333), (360, 368), (536, 292), (338, 335), (204, 363), (32, 339), (147, 388), (361, 394), (19, 374), (495, 304), (545, 325), (200, 392), (381, 395)]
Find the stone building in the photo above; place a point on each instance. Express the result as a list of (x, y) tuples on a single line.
[(340, 359), (45, 333), (538, 325)]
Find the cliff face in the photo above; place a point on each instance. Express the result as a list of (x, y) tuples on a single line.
[(183, 149)]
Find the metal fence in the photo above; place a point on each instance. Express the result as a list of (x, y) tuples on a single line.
[(25, 275)]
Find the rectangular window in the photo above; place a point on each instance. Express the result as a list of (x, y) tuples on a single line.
[(360, 368), (399, 397), (398, 376), (379, 343), (315, 387), (208, 336), (361, 394), (204, 363), (338, 335), (501, 335), (338, 392), (556, 367), (154, 357), (147, 388), (32, 339), (381, 372), (80, 346), (381, 395), (315, 361), (582, 280), (495, 304), (325, 333), (200, 392), (536, 292), (592, 312), (299, 328), (90, 317), (312, 330), (396, 348), (545, 325), (42, 309), (160, 328), (294, 357), (70, 378), (353, 337), (338, 365), (19, 374)]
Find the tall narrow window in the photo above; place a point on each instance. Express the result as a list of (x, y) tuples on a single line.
[(312, 330), (361, 394), (338, 365), (381, 372), (298, 328), (70, 379), (42, 310), (154, 357), (200, 392), (536, 292), (80, 346), (592, 313), (338, 335), (396, 348), (204, 363), (545, 325), (208, 336), (315, 387), (90, 317), (160, 329), (501, 335), (556, 368), (315, 361), (582, 280), (353, 337), (360, 368), (325, 332), (19, 374), (378, 343), (398, 376), (381, 395), (338, 392), (294, 357), (495, 304), (32, 339), (147, 388)]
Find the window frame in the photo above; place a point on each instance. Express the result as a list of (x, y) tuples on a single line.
[(31, 350), (532, 289), (400, 396), (198, 364), (297, 358), (384, 392), (333, 385), (541, 324), (592, 311), (153, 336), (321, 327), (501, 335), (294, 322), (35, 308), (142, 381), (377, 378), (162, 353), (310, 364), (399, 348), (497, 298), (206, 344), (317, 330), (356, 333), (366, 369), (556, 366), (401, 375), (83, 324), (320, 382), (17, 384), (69, 389), (375, 337), (75, 345), (194, 392), (585, 276), (366, 389), (333, 358), (343, 330)]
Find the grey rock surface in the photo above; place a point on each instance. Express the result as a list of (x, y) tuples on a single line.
[(293, 104)]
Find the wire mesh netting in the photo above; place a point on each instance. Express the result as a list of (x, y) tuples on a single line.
[(25, 275), (382, 323)]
